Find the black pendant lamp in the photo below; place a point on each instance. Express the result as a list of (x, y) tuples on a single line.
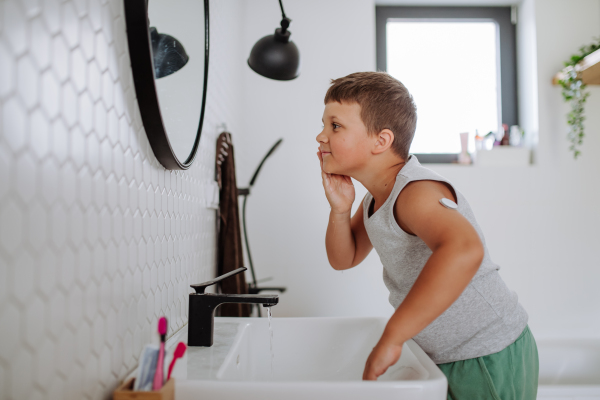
[(168, 54), (275, 56)]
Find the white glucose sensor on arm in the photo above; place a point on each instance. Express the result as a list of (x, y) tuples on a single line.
[(448, 203)]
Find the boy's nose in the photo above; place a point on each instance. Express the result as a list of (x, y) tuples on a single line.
[(321, 138)]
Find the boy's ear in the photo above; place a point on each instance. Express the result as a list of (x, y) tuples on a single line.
[(384, 141)]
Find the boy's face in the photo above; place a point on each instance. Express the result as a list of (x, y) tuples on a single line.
[(344, 142)]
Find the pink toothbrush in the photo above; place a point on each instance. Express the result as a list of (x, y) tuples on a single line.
[(179, 350), (158, 375)]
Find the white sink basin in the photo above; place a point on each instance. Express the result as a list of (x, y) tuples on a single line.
[(313, 358)]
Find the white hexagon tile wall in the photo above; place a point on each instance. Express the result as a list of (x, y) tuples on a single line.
[(97, 239)]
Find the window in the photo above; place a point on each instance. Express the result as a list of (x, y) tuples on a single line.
[(459, 65)]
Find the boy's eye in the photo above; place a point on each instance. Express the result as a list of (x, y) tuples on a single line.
[(335, 126)]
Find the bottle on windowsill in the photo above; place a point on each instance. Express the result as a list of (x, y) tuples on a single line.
[(478, 141), (505, 138), (464, 157)]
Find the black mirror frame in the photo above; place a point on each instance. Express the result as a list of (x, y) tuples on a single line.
[(140, 52)]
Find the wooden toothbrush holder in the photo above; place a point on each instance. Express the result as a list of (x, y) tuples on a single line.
[(126, 392)]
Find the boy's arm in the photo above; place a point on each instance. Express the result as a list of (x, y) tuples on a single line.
[(457, 255), (346, 240)]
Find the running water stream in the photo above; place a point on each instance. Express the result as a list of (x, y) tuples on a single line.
[(271, 333)]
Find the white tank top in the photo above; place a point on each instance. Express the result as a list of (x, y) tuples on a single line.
[(486, 318)]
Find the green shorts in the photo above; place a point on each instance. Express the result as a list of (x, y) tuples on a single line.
[(510, 374)]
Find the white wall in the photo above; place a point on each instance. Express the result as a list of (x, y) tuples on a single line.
[(97, 240), (540, 222)]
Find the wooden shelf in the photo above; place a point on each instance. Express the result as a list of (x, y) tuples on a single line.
[(588, 70)]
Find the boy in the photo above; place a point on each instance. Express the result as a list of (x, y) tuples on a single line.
[(448, 295)]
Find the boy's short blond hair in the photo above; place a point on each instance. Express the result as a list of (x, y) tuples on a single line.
[(385, 103)]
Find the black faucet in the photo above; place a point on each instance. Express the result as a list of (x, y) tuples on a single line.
[(202, 308)]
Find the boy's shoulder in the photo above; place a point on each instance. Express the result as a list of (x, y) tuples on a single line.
[(423, 182), (419, 189), (417, 197)]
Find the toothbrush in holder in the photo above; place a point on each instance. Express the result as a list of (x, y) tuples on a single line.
[(158, 375), (179, 350)]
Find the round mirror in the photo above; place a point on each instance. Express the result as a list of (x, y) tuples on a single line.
[(168, 45)]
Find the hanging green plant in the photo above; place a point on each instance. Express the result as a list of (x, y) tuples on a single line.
[(573, 91)]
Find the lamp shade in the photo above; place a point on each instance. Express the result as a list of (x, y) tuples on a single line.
[(168, 54), (276, 57)]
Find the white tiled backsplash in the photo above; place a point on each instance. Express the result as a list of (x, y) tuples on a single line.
[(97, 240)]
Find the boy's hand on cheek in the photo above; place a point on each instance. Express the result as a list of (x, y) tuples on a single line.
[(339, 190), (381, 358)]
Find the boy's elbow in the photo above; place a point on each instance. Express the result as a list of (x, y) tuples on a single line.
[(476, 253), (334, 265), (470, 251), (339, 267)]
